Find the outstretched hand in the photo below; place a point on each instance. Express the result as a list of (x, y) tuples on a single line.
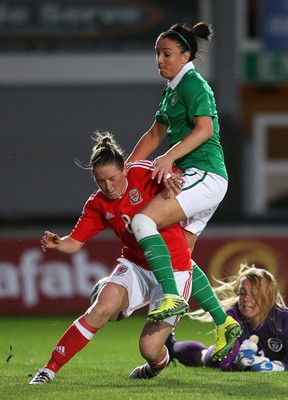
[(49, 240)]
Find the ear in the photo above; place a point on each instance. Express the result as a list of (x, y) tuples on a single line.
[(187, 55)]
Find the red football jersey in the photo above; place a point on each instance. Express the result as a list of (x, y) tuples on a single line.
[(100, 213)]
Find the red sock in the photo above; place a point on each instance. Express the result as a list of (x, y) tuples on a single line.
[(73, 340), (160, 364)]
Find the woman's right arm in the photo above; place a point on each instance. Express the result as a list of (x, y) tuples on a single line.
[(65, 244), (149, 142)]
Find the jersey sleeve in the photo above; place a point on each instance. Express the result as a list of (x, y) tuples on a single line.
[(90, 223), (198, 97)]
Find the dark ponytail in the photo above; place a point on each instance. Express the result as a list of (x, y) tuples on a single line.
[(186, 37), (203, 31)]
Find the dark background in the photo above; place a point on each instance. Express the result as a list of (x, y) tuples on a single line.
[(47, 119)]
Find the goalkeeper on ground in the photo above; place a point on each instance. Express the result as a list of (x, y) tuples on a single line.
[(253, 299)]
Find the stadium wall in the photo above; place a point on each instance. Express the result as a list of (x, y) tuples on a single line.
[(32, 282)]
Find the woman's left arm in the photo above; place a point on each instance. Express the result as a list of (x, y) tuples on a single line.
[(202, 131)]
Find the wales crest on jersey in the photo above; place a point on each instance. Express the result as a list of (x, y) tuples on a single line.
[(134, 196), (120, 271)]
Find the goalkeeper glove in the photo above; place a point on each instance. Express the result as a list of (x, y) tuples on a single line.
[(263, 364), (247, 352)]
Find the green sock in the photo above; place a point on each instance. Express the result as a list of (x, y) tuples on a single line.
[(204, 295), (158, 258)]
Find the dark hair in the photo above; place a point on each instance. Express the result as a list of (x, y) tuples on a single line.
[(186, 37), (105, 151)]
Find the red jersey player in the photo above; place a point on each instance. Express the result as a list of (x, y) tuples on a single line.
[(123, 191), (100, 213)]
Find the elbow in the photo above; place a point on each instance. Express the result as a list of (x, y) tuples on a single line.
[(207, 129), (206, 135), (209, 132)]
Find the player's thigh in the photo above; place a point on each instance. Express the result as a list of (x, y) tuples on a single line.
[(111, 300), (137, 283), (164, 211), (202, 191)]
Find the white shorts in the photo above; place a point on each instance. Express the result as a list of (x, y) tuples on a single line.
[(143, 288), (200, 196)]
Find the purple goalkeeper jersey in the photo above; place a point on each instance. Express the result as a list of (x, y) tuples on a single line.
[(273, 337)]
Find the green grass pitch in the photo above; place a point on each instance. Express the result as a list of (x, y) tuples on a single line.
[(101, 370)]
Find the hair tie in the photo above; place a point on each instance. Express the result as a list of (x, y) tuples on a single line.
[(181, 37)]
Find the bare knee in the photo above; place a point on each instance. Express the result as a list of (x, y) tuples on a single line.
[(97, 315), (112, 299)]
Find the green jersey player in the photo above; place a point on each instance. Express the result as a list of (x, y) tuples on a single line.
[(187, 115), (180, 104)]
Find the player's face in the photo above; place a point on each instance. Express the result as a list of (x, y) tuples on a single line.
[(250, 298), (111, 180), (169, 58)]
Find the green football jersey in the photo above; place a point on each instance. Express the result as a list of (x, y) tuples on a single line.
[(192, 97)]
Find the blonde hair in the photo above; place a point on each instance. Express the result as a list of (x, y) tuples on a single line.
[(228, 293)]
